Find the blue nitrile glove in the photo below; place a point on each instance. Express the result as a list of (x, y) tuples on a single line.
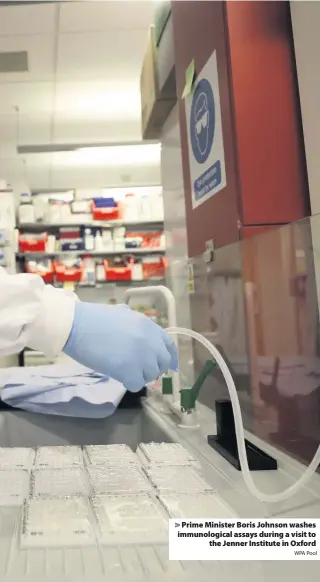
[(120, 343)]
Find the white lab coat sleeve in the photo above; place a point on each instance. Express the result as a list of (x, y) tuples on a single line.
[(33, 315)]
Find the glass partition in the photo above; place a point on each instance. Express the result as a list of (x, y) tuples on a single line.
[(258, 303)]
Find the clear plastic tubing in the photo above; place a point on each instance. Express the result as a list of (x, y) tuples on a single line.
[(305, 477)]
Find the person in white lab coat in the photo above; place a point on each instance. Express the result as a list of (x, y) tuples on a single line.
[(112, 340)]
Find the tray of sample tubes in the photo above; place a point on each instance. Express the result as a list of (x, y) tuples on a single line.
[(165, 454), (130, 519), (99, 455), (57, 522)]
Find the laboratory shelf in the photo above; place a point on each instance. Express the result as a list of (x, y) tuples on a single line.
[(143, 252), (144, 225)]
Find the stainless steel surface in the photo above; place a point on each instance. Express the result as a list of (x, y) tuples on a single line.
[(130, 427)]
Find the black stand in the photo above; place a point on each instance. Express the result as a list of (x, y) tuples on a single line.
[(225, 442)]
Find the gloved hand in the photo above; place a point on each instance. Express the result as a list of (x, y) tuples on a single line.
[(120, 343)]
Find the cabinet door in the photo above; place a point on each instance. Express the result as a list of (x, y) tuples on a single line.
[(199, 30)]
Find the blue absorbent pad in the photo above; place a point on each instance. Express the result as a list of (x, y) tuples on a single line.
[(64, 390)]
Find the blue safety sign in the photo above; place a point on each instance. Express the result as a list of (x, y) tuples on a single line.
[(205, 138), (202, 121)]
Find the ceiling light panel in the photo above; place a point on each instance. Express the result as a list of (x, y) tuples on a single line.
[(98, 100), (87, 131), (109, 156)]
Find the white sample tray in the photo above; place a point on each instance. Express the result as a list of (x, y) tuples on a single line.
[(177, 479), (16, 458), (194, 505), (59, 482), (14, 486), (165, 454), (118, 480), (130, 519), (58, 457), (57, 522), (110, 455)]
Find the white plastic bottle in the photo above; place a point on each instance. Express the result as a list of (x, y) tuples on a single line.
[(98, 242), (89, 240)]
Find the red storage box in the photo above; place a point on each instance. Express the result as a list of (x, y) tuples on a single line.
[(64, 273), (114, 273), (154, 268), (47, 276), (32, 244), (107, 213)]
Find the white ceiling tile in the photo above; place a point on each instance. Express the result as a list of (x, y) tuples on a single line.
[(38, 179), (31, 19), (34, 130), (115, 55), (106, 15), (95, 131), (37, 161), (98, 100), (11, 168), (40, 51), (8, 130), (28, 97)]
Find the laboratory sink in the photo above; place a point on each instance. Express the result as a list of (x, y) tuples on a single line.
[(127, 426)]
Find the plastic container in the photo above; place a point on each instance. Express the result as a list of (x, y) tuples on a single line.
[(119, 245), (26, 213), (131, 208), (202, 505), (176, 479), (57, 522), (64, 273), (89, 240), (29, 243), (14, 487), (44, 268), (58, 457), (114, 273), (51, 243), (100, 272), (130, 519), (110, 455), (116, 480), (165, 454), (137, 271), (16, 458), (105, 213), (154, 267), (69, 233), (98, 242), (89, 271), (59, 483), (71, 245)]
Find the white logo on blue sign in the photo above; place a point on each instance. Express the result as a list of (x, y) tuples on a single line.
[(202, 133)]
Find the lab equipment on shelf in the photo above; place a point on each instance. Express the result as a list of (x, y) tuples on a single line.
[(44, 268), (118, 269), (32, 242), (68, 270), (26, 211), (89, 240), (105, 209)]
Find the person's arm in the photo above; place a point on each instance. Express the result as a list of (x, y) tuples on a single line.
[(33, 315)]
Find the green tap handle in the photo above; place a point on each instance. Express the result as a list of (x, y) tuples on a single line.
[(188, 396)]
